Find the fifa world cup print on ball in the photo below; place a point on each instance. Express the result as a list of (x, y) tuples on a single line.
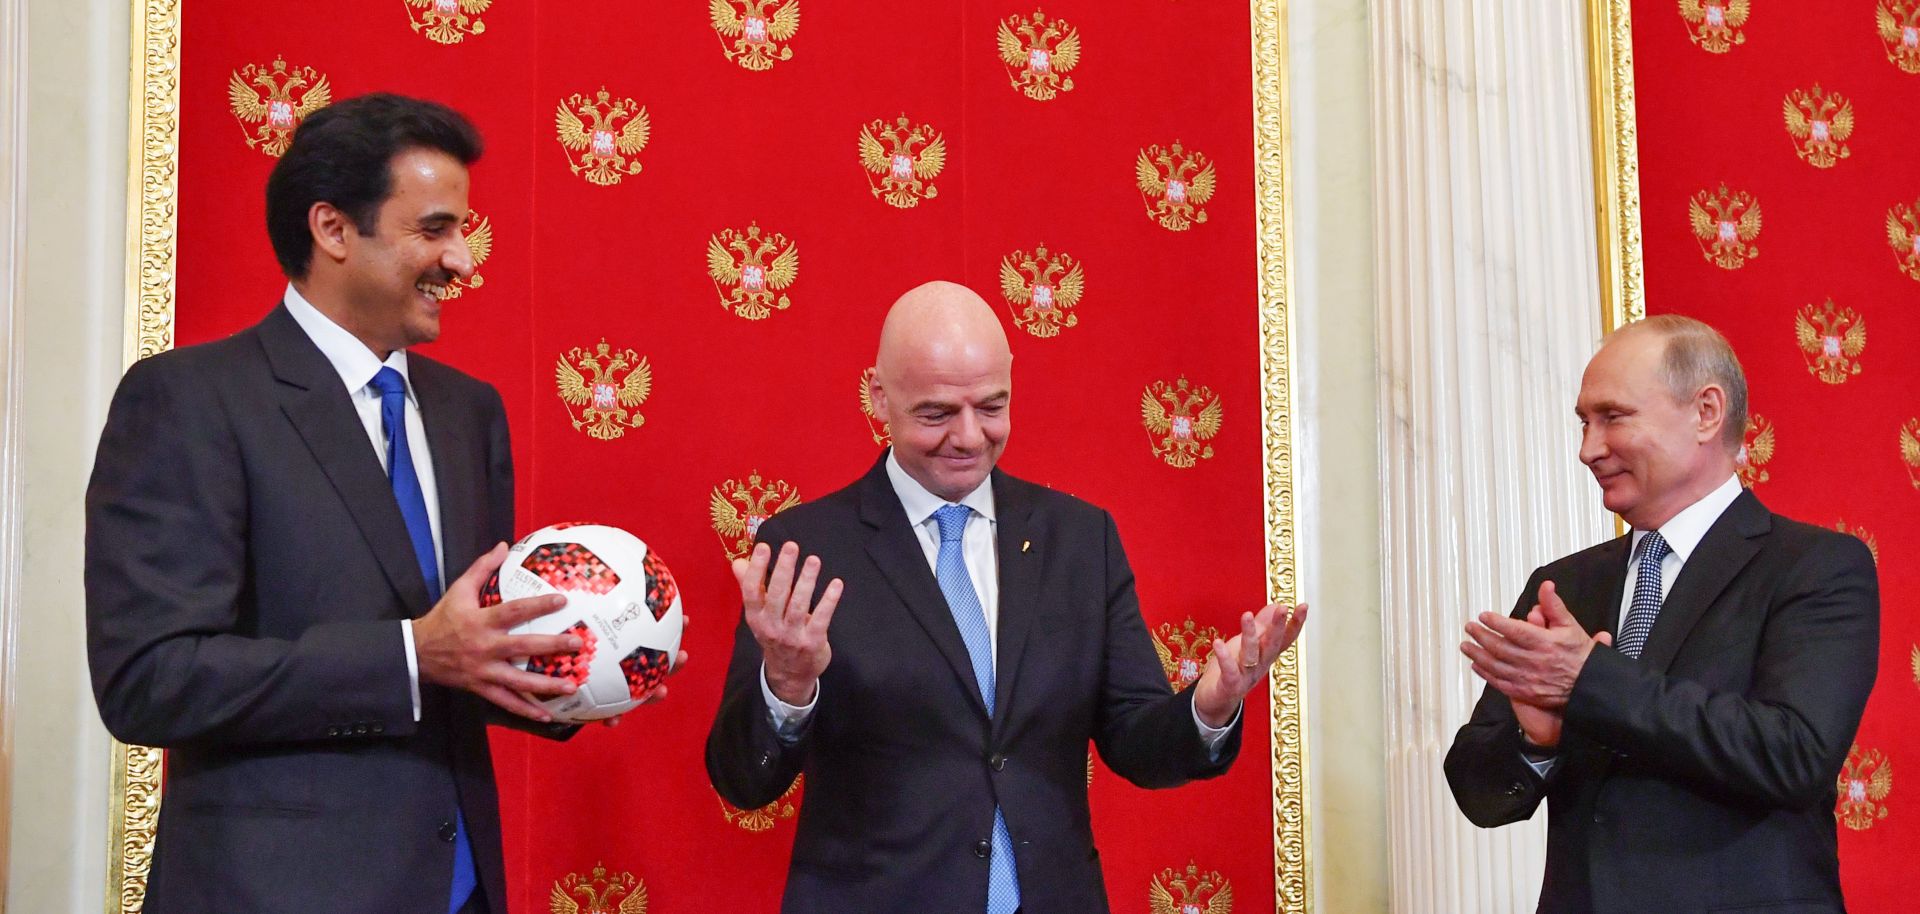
[(621, 602)]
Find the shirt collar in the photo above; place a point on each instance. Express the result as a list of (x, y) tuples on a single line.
[(355, 363), (1685, 530), (920, 503)]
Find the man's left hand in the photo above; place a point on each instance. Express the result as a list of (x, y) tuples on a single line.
[(1236, 665), (1528, 662)]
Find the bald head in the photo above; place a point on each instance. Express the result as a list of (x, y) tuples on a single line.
[(940, 321), (943, 380)]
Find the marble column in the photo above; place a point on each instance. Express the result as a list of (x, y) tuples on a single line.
[(1486, 310)]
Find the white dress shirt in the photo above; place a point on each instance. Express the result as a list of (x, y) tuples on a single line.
[(1683, 533), (357, 365), (983, 570)]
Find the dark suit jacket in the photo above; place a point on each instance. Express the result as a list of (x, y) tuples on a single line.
[(247, 568), (903, 768), (1701, 776)]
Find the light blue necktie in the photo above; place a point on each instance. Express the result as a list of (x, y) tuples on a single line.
[(1003, 879), (1646, 596), (413, 509)]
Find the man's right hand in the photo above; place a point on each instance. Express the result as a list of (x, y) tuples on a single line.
[(464, 645), (793, 641)]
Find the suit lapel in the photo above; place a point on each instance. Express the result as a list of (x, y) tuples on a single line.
[(1610, 582), (895, 550), (453, 472), (1019, 572), (1721, 554), (321, 411)]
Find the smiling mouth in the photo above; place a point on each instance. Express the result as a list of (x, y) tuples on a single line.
[(435, 291)]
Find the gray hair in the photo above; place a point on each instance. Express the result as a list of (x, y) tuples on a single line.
[(1697, 355)]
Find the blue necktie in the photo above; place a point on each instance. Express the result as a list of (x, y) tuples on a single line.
[(1003, 879), (413, 509), (1646, 596)]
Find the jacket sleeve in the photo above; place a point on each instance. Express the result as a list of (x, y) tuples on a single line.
[(749, 764), (1783, 741), (168, 643), (1145, 732), (1490, 778)]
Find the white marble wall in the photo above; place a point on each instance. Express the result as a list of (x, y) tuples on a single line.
[(1487, 309), (65, 349), (1337, 453)]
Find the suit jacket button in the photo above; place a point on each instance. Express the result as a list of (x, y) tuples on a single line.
[(983, 849), (333, 731), (1516, 788), (360, 729), (446, 831), (997, 762), (1599, 818)]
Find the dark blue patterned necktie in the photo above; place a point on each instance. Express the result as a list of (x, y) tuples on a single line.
[(1646, 595), (413, 509), (950, 568)]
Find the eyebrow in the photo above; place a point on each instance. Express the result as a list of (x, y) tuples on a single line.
[(998, 396), (1603, 406), (440, 217)]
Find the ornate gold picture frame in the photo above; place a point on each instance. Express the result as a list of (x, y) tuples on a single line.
[(154, 131), (1616, 163)]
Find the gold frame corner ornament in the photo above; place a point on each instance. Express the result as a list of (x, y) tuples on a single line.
[(1273, 218), (153, 181), (1616, 163)]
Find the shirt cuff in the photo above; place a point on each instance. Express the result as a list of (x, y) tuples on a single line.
[(1212, 737), (413, 665), (788, 720), (1542, 767)]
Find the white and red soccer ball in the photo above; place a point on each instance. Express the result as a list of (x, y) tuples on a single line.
[(621, 602)]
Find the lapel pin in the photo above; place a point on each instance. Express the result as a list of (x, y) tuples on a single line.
[(1025, 545)]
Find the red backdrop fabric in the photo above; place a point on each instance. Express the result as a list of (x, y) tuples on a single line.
[(1820, 296), (769, 140)]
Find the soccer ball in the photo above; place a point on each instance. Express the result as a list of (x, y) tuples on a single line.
[(621, 602)]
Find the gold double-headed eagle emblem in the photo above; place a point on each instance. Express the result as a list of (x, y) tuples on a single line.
[(1898, 22), (1903, 234), (738, 507), (1714, 25), (479, 237), (1756, 448), (1189, 892), (1038, 53), (1175, 183), (1864, 784), (1831, 340), (1726, 224), (759, 30), (599, 893), (755, 821), (447, 21), (1910, 450), (1820, 123), (603, 389), (1180, 418), (1183, 651), (602, 135), (1041, 289), (271, 100), (750, 269), (881, 429), (905, 157)]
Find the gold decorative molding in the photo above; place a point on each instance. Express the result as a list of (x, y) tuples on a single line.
[(1616, 163), (1273, 220), (153, 176), (136, 809), (153, 169)]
